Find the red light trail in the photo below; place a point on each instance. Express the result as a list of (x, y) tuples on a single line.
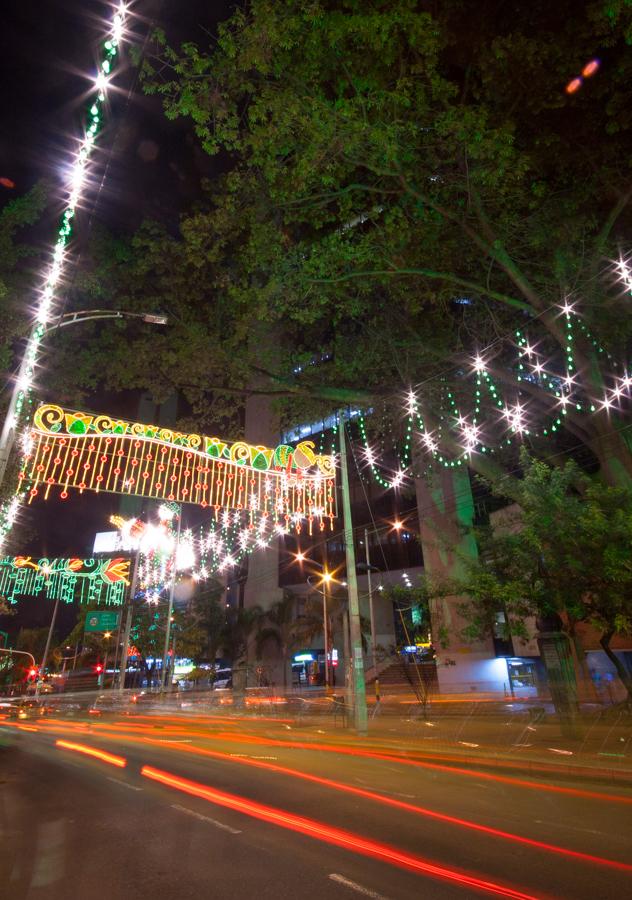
[(110, 758), (321, 831), (400, 804)]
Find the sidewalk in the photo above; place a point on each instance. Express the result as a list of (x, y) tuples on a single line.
[(497, 739)]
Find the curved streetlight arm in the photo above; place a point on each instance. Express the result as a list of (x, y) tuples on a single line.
[(22, 653), (7, 435), (89, 315)]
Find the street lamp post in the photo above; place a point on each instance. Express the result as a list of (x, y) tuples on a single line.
[(49, 637), (7, 436), (20, 653), (325, 580)]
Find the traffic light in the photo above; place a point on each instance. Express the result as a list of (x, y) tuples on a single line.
[(98, 668), (33, 672)]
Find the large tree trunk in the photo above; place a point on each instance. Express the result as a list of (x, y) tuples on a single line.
[(622, 672)]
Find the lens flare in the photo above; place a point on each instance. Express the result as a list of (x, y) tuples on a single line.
[(590, 68)]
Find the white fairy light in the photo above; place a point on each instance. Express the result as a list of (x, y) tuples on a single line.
[(165, 513), (514, 416), (625, 273), (77, 181), (429, 442), (479, 364), (185, 553), (470, 436), (101, 82)]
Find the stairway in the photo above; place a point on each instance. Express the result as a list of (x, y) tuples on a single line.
[(399, 673)]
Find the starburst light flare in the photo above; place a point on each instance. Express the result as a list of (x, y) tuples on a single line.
[(59, 256)]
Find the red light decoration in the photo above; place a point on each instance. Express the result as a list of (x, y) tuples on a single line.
[(574, 85)]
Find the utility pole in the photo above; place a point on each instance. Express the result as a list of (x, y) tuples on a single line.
[(359, 686), (172, 588), (128, 623), (40, 674)]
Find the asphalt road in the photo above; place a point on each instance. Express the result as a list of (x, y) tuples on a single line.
[(223, 822)]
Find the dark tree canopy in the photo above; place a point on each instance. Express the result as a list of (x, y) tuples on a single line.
[(408, 184)]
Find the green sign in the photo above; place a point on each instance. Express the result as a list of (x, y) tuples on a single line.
[(102, 621)]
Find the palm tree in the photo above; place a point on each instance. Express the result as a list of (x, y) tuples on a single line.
[(281, 625), (236, 638), (337, 606)]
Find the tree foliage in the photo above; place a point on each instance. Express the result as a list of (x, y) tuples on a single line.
[(289, 632), (15, 275), (406, 185), (566, 551)]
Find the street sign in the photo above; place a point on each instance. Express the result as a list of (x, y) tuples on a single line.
[(102, 621)]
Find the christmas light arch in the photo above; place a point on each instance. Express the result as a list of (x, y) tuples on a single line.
[(86, 452)]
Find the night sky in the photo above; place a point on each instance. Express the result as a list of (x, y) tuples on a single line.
[(152, 170)]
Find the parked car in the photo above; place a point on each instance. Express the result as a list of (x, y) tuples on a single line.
[(28, 708)]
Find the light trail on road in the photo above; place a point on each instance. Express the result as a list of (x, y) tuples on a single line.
[(399, 804), (94, 752), (331, 835), (240, 737)]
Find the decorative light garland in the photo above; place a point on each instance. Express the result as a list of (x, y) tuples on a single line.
[(69, 580), (86, 452), (75, 187), (564, 392)]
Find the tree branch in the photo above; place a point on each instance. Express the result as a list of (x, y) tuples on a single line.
[(429, 273)]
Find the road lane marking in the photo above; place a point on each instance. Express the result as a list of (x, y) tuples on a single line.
[(197, 815), (173, 741), (367, 892), (132, 787), (566, 825)]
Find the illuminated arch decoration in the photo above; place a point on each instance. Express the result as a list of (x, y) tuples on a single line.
[(100, 581), (86, 452)]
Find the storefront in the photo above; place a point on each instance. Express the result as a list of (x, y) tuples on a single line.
[(308, 667)]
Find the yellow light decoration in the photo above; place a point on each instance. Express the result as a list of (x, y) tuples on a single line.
[(85, 452)]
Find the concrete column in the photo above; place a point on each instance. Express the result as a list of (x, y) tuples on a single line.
[(446, 516)]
